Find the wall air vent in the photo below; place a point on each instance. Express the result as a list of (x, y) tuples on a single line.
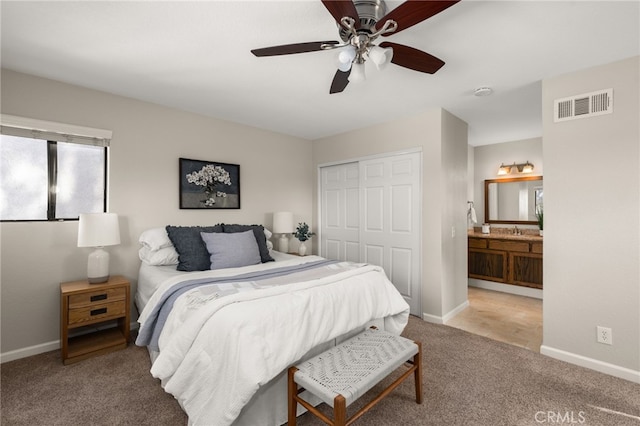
[(583, 106)]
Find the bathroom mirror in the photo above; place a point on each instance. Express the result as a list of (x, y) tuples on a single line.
[(512, 200)]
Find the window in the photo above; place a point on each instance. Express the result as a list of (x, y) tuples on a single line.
[(46, 176)]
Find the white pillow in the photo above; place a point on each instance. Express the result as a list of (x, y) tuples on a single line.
[(155, 239), (232, 250), (268, 235), (163, 256)]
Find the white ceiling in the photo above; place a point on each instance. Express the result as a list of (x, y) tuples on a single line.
[(196, 56)]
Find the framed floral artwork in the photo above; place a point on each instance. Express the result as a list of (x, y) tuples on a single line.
[(209, 185)]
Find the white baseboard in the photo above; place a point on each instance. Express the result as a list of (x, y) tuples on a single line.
[(39, 349), (29, 351), (593, 364), (446, 317), (506, 288)]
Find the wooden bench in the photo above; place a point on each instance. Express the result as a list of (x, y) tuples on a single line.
[(342, 374)]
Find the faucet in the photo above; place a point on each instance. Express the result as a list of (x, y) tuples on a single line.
[(516, 231)]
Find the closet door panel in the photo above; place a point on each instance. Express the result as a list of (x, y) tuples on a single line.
[(374, 254), (352, 207), (352, 250), (340, 212), (332, 205), (400, 273), (402, 209), (332, 249), (374, 209)]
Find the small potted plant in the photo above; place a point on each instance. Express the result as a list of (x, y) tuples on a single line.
[(540, 217), (303, 234)]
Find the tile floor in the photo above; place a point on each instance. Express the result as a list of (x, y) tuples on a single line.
[(501, 316)]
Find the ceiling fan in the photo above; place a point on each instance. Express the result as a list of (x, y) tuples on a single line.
[(360, 23)]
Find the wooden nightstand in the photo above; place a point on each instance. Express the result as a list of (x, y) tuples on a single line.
[(83, 304)]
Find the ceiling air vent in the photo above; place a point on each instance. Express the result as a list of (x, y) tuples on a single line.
[(582, 106)]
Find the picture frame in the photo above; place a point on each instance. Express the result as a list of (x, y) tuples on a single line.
[(209, 185)]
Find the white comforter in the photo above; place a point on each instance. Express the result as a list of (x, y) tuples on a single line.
[(214, 356)]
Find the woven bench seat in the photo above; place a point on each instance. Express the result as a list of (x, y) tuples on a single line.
[(344, 373)]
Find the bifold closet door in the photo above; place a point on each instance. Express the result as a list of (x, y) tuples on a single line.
[(340, 212), (390, 221)]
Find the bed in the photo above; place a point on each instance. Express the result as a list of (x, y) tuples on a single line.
[(221, 339)]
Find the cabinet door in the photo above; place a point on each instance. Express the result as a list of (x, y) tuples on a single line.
[(525, 269), (488, 265)]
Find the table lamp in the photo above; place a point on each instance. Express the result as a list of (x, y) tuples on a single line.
[(98, 230), (283, 224)]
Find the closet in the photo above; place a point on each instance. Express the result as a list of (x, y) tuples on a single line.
[(370, 212)]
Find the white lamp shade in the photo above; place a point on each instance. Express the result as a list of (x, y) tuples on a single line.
[(357, 73), (282, 222), (380, 56), (346, 57), (98, 230)]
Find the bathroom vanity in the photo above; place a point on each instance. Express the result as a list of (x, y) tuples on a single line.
[(506, 258)]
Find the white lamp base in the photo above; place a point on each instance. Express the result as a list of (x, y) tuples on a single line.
[(98, 266), (283, 244)]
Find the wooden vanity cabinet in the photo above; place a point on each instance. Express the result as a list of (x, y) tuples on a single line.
[(506, 261)]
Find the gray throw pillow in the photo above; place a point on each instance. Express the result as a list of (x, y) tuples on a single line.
[(261, 239), (231, 250), (192, 252)]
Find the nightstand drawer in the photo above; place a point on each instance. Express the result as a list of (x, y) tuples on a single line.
[(97, 312), (98, 297)]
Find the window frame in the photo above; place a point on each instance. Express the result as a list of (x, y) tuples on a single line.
[(52, 133)]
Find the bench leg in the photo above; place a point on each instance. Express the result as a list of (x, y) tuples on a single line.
[(339, 411), (292, 390), (417, 374)]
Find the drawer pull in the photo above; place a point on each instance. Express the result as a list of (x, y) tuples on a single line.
[(98, 297), (98, 311)]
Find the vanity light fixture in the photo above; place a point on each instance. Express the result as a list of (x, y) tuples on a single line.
[(526, 168), (504, 170), (521, 168)]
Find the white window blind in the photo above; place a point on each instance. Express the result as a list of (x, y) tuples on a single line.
[(48, 130)]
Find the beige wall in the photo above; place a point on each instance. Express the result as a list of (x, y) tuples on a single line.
[(592, 226), (276, 174), (442, 138)]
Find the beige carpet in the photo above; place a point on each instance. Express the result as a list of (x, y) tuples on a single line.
[(468, 380)]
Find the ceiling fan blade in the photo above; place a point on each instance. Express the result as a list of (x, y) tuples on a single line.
[(341, 8), (412, 12), (340, 81), (288, 49), (412, 58)]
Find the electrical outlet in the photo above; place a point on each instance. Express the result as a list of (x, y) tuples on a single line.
[(453, 232), (604, 335)]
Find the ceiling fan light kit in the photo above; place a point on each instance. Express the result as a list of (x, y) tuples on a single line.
[(346, 57), (360, 23), (380, 56), (357, 72)]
